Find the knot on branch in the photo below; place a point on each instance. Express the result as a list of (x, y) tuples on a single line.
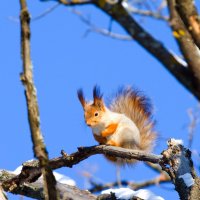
[(25, 16)]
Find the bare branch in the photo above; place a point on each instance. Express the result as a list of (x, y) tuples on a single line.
[(33, 110), (31, 170), (194, 120), (186, 44), (178, 164), (35, 190), (152, 45), (117, 11), (176, 161), (46, 12), (146, 13), (67, 192), (101, 31), (189, 15)]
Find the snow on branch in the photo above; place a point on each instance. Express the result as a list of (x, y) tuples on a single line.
[(175, 160)]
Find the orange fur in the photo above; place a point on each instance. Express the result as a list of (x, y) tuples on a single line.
[(109, 130), (112, 143)]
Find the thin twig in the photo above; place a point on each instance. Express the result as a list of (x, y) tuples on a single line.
[(46, 12), (146, 13), (33, 111), (97, 187), (194, 120), (102, 31)]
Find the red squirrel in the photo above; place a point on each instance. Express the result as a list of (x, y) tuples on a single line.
[(127, 122)]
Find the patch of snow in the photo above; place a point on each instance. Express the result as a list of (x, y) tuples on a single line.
[(179, 59), (127, 193), (61, 178), (187, 178), (176, 142)]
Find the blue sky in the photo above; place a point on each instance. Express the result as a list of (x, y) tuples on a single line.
[(64, 60)]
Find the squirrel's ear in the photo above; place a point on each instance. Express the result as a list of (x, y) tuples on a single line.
[(81, 97), (97, 96)]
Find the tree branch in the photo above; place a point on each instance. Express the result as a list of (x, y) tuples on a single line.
[(146, 13), (176, 161), (31, 170), (35, 190), (186, 44), (190, 17), (152, 45), (116, 10), (101, 31), (66, 192), (178, 164), (33, 110)]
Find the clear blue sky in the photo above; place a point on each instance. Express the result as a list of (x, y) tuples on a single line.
[(64, 61)]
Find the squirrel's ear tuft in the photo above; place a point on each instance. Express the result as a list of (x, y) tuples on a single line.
[(98, 101), (97, 93), (81, 97)]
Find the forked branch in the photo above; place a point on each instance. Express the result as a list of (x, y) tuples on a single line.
[(176, 161)]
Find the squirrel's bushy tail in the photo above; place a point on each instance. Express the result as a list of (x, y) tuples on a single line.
[(139, 109)]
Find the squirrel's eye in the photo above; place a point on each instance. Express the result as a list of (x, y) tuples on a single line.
[(96, 114)]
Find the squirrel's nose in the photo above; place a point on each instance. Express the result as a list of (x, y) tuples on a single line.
[(88, 123)]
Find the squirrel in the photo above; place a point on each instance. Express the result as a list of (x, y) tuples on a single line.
[(127, 122)]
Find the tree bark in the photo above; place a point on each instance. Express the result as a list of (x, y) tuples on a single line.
[(178, 164), (39, 148), (176, 161)]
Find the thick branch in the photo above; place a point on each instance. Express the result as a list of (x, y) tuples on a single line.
[(152, 45), (31, 170), (35, 190), (186, 44), (33, 110), (117, 11), (178, 164), (190, 17), (66, 192), (176, 161)]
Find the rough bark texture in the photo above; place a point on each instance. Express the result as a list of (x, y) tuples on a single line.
[(32, 105), (35, 190), (186, 44), (177, 162), (189, 15)]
